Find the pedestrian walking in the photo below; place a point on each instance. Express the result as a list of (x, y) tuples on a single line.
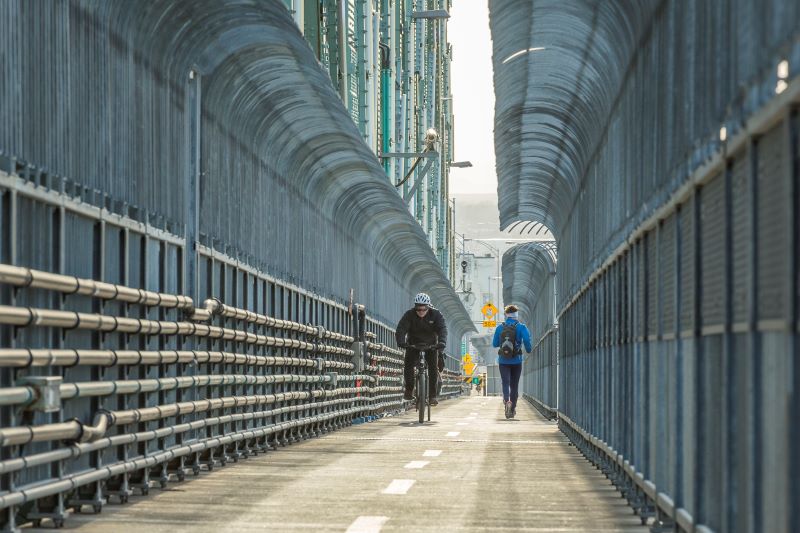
[(509, 338)]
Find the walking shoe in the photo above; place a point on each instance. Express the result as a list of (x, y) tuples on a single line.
[(507, 406), (408, 395), (434, 402), (513, 412)]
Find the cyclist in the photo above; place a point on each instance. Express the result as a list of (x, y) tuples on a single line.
[(423, 324), (509, 338)]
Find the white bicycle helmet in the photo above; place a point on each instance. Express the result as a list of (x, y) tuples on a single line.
[(422, 299)]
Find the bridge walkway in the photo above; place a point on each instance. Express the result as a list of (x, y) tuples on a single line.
[(469, 469)]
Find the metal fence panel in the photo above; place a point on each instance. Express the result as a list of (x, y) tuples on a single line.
[(774, 205), (675, 154), (712, 261)]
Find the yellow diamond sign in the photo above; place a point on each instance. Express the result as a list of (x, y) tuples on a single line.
[(467, 359), (469, 368), (489, 310)]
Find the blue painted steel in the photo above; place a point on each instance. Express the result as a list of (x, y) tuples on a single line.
[(109, 109), (127, 130), (657, 140)]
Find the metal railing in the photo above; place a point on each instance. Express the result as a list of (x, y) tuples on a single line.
[(204, 387), (668, 172)]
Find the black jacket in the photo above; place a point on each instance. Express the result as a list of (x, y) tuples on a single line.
[(429, 329)]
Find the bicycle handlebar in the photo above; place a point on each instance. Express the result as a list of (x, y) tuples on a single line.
[(423, 347)]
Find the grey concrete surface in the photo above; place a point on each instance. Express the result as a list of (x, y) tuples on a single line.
[(495, 474)]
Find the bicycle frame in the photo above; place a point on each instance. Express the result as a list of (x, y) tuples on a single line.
[(422, 387), (421, 383)]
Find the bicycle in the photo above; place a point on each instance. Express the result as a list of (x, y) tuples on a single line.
[(421, 381)]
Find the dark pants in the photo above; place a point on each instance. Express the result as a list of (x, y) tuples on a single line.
[(510, 376), (412, 358)]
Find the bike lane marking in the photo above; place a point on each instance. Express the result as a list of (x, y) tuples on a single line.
[(417, 464), (367, 524), (398, 486)]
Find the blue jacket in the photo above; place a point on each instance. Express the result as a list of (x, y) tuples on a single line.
[(522, 336)]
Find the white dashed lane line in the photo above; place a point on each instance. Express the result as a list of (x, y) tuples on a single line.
[(432, 453), (453, 434), (462, 423), (398, 486), (367, 524), (417, 464)]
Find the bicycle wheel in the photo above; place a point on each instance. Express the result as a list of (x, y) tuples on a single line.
[(422, 396)]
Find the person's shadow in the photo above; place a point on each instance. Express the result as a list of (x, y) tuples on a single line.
[(417, 424)]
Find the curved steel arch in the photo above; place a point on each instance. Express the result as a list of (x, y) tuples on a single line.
[(268, 88), (286, 178), (527, 268), (483, 343), (557, 69), (604, 109)]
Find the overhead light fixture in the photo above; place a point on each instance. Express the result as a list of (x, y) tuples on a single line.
[(783, 70), (783, 77), (431, 138), (523, 51)]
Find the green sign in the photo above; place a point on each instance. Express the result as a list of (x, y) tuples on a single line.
[(475, 381)]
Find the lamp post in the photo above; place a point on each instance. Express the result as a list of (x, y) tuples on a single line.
[(499, 296), (496, 251)]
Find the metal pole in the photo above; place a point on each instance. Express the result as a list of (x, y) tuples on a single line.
[(499, 294), (192, 186)]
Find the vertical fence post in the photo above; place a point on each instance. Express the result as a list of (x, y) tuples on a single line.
[(191, 191), (754, 349), (794, 283)]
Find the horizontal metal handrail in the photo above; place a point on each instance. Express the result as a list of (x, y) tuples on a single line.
[(28, 277), (214, 306), (79, 449), (18, 358), (385, 349), (18, 497), (78, 431), (12, 395), (29, 316)]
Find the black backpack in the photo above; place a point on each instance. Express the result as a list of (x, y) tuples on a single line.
[(508, 341)]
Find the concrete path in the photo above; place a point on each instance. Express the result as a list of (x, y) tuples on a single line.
[(468, 469)]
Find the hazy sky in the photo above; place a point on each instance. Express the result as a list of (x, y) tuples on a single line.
[(473, 97)]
